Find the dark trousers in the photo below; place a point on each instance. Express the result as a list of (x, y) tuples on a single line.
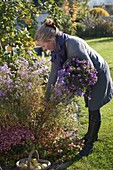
[(94, 123)]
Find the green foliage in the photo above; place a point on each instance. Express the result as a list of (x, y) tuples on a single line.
[(63, 21), (92, 25), (18, 23), (80, 29), (83, 9), (14, 14), (97, 12)]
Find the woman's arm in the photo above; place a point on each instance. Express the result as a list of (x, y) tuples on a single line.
[(52, 80)]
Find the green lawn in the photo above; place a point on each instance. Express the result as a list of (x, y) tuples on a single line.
[(105, 47), (102, 157)]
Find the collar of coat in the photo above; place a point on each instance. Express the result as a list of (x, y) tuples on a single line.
[(58, 56)]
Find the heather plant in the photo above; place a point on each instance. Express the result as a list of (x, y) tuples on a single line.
[(11, 136), (15, 141)]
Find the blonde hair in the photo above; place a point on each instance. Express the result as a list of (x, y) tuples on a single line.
[(46, 31)]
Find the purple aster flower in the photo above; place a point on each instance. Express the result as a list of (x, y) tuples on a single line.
[(75, 77)]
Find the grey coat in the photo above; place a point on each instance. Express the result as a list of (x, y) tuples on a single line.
[(102, 91)]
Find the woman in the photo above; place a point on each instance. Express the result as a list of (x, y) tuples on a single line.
[(63, 47)]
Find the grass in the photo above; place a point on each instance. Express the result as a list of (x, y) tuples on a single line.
[(102, 157), (105, 47)]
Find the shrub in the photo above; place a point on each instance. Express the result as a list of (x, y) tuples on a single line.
[(80, 29), (95, 27), (97, 12)]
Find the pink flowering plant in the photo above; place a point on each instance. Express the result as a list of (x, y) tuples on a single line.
[(11, 136), (75, 78), (15, 141)]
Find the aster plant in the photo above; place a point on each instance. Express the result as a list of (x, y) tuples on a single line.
[(20, 81), (74, 79)]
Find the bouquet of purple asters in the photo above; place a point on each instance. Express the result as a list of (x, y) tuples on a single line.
[(74, 79)]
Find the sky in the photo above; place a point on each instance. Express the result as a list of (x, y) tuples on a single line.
[(99, 2)]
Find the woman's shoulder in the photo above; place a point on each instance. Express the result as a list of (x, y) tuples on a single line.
[(76, 42), (75, 39)]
